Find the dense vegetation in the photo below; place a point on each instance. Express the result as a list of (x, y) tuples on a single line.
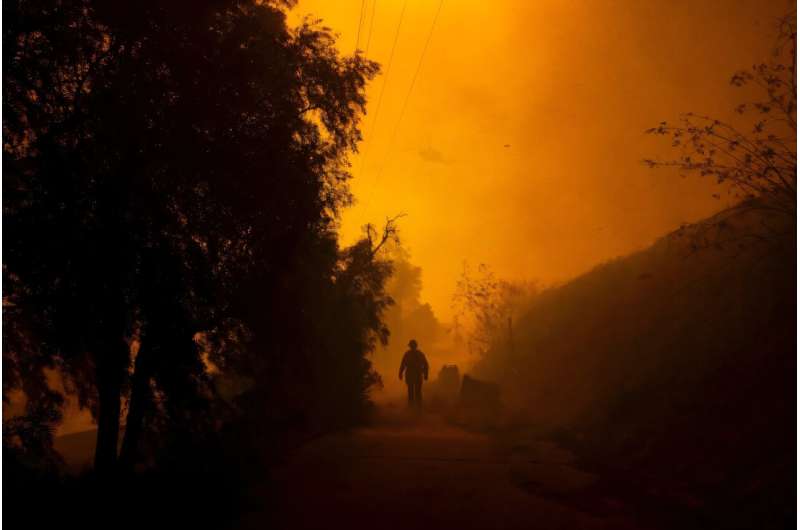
[(173, 176), (672, 371)]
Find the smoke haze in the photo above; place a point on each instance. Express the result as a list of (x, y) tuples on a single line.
[(521, 142)]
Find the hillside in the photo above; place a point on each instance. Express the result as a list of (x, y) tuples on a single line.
[(675, 368)]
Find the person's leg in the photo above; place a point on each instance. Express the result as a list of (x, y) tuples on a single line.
[(410, 386), (419, 395), (415, 387)]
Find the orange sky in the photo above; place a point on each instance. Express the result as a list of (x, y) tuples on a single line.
[(570, 85)]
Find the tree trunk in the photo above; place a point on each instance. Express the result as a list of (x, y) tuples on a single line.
[(140, 393), (110, 371)]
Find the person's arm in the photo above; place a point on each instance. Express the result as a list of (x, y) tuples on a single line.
[(403, 365), (424, 366)]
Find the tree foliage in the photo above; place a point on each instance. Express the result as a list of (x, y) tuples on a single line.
[(174, 172), (488, 304), (756, 163)]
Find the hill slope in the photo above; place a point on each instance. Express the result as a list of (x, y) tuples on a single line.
[(673, 368)]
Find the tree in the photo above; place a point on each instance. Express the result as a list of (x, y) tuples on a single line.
[(489, 304), (758, 166), (173, 174)]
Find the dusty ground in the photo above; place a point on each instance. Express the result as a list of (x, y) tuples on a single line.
[(414, 471), (420, 472)]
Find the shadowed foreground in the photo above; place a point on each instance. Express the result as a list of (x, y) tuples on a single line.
[(404, 472)]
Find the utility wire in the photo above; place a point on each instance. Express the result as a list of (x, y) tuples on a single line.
[(360, 23), (383, 89), (403, 108), (371, 25)]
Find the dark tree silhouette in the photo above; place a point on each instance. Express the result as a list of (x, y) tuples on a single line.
[(757, 166), (173, 176)]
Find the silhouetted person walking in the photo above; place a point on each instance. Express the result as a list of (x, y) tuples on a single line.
[(415, 366)]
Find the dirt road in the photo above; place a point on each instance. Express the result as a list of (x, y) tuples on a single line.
[(420, 472)]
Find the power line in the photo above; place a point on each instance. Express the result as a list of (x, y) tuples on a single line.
[(383, 88), (360, 22), (403, 108), (416, 72), (371, 25)]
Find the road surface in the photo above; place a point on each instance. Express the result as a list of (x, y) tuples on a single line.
[(407, 472)]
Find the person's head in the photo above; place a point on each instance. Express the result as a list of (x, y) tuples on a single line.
[(412, 344)]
